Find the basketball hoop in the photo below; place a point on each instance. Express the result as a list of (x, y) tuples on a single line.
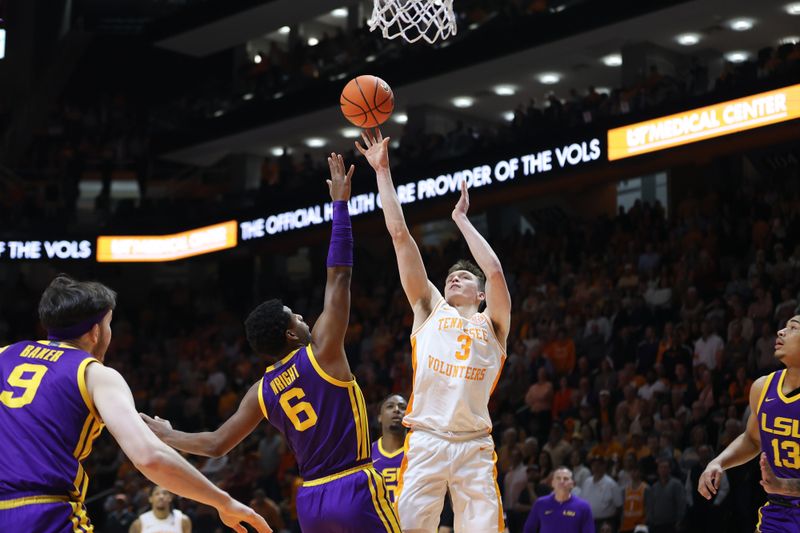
[(413, 20)]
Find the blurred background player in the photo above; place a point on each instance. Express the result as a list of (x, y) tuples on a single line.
[(561, 511), (457, 356), (387, 451), (161, 518), (771, 430), (55, 398), (311, 397)]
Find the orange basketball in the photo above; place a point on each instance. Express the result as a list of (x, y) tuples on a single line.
[(367, 101)]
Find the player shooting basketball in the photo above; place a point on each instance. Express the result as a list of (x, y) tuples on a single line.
[(457, 355), (772, 430)]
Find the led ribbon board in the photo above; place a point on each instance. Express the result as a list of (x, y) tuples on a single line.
[(158, 248), (703, 123)]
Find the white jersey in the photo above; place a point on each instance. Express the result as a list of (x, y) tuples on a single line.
[(457, 363), (171, 524)]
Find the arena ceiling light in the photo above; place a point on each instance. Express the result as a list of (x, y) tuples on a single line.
[(612, 60), (277, 151), (508, 116), (316, 142), (549, 78), (247, 96), (257, 58), (400, 118), (741, 24), (350, 133), (790, 39), (793, 8), (603, 90), (505, 90), (737, 56), (688, 39), (218, 113), (313, 41), (463, 102), (339, 13), (283, 30)]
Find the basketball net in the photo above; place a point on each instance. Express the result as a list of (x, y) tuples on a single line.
[(413, 20)]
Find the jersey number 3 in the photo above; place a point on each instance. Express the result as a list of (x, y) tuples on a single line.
[(30, 384), (466, 342), (294, 411)]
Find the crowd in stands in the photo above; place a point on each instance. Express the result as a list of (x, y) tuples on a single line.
[(634, 343)]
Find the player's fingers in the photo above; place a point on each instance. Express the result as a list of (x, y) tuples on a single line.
[(360, 149), (340, 162), (350, 172), (258, 522), (367, 139), (239, 528), (378, 134), (386, 142)]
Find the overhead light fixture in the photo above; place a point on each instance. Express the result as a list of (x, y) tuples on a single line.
[(791, 39), (793, 8), (283, 30), (247, 96), (2, 43), (612, 60), (549, 78), (277, 151), (688, 39), (400, 118), (339, 13), (350, 133), (370, 58), (316, 142), (603, 90), (218, 113), (505, 90), (508, 116), (741, 24), (313, 41), (738, 56), (257, 58), (463, 101)]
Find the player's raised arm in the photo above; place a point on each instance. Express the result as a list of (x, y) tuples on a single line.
[(498, 299), (157, 461), (421, 293), (213, 443), (331, 326), (742, 449)]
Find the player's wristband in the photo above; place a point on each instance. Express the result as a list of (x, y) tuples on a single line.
[(340, 252)]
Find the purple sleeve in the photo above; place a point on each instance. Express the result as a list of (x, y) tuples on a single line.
[(587, 525), (532, 524), (340, 252)]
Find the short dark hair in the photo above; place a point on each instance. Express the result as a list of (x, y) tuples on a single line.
[(266, 327), (390, 396), (66, 301), (472, 268)]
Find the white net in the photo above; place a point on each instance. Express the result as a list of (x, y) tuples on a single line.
[(413, 20)]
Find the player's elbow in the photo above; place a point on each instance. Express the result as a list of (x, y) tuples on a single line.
[(149, 460), (399, 233)]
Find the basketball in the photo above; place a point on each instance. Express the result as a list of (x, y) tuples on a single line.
[(367, 101)]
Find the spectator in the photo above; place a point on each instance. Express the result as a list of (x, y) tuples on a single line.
[(667, 503), (602, 493)]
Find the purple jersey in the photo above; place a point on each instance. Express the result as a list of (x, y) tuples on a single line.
[(47, 420), (551, 516), (388, 464), (779, 426), (323, 419)]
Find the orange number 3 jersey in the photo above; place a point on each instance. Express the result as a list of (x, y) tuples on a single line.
[(457, 362)]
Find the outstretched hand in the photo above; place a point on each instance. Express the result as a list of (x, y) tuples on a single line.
[(377, 149), (339, 184), (462, 206), (157, 425)]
